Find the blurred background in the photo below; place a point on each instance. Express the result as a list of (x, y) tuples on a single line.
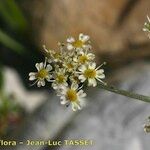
[(115, 27)]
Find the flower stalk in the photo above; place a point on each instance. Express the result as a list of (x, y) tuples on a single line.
[(70, 68), (125, 93)]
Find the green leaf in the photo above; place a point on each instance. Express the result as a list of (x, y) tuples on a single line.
[(12, 14), (1, 78), (11, 43)]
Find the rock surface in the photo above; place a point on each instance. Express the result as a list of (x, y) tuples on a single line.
[(27, 99), (111, 121), (113, 25)]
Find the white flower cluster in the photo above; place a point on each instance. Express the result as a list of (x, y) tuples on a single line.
[(69, 69), (146, 27)]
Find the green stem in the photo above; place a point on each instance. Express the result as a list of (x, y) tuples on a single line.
[(125, 93)]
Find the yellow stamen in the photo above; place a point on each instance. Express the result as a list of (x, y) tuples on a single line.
[(56, 55), (71, 95), (90, 73), (60, 78), (43, 73), (78, 43), (75, 78), (83, 59), (70, 65)]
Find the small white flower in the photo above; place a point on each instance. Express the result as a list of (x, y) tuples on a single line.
[(72, 95), (42, 74), (81, 43), (147, 26), (91, 73), (74, 78), (56, 56), (69, 64), (52, 55), (60, 78), (84, 57)]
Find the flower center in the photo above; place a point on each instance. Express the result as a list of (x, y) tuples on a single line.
[(90, 73), (75, 78), (70, 65), (60, 78), (42, 74), (78, 43), (71, 95), (83, 59), (56, 55)]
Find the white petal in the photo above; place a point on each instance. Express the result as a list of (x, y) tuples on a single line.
[(39, 83), (91, 56), (79, 49), (81, 94), (83, 37), (70, 40), (82, 78), (65, 84), (70, 46), (32, 78), (100, 76), (49, 60), (87, 46), (99, 72), (54, 86), (63, 89), (58, 93), (49, 68), (148, 18), (92, 82), (42, 82), (75, 59), (49, 77), (82, 102), (92, 65), (82, 68), (78, 106), (74, 107), (81, 52), (64, 102), (74, 86), (39, 66), (145, 29), (32, 73)]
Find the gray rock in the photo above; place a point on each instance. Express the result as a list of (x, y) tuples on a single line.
[(111, 121)]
